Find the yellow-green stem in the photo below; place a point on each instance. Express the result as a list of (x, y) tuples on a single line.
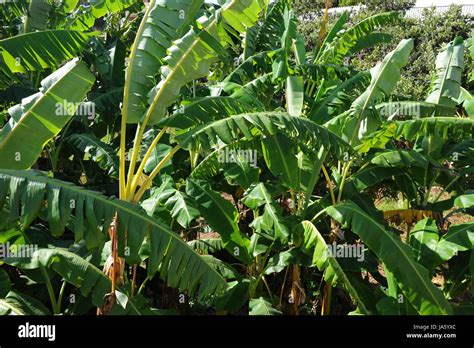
[(126, 92), (344, 175), (133, 179), (154, 173), (328, 180)]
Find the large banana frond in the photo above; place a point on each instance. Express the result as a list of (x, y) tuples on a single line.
[(412, 278), (45, 112), (385, 76), (203, 110), (163, 22), (140, 236), (42, 49)]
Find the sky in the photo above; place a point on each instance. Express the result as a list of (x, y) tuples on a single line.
[(422, 3)]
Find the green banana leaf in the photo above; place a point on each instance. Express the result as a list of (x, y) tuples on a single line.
[(42, 49), (449, 67), (162, 23), (45, 112)]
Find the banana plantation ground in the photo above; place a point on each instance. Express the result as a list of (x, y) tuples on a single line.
[(193, 157)]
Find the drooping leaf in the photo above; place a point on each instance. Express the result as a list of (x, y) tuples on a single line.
[(203, 110), (464, 201), (74, 269), (413, 109), (236, 127), (453, 128), (16, 303), (459, 237), (400, 159), (234, 297), (424, 242)]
